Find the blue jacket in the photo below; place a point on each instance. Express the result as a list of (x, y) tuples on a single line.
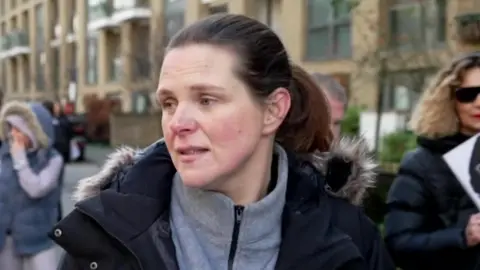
[(26, 216)]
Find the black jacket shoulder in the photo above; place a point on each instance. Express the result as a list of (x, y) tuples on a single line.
[(427, 214)]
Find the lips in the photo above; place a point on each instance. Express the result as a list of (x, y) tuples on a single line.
[(191, 150), (191, 153)]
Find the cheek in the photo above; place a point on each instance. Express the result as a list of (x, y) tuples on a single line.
[(463, 111), (15, 132), (233, 135)]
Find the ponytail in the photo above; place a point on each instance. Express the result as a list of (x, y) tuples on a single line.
[(306, 128)]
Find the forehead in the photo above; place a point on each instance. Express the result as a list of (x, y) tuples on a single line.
[(471, 77), (197, 63)]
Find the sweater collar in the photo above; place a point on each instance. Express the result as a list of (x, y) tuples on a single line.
[(215, 214)]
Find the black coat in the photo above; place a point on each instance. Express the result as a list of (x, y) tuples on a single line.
[(122, 220), (63, 136), (428, 211)]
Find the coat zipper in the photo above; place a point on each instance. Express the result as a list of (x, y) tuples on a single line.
[(113, 236), (238, 214)]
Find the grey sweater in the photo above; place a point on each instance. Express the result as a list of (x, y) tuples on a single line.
[(211, 233)]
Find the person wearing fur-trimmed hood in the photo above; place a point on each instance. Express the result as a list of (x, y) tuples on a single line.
[(236, 183), (29, 171)]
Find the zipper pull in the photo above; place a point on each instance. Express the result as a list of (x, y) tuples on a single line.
[(238, 213)]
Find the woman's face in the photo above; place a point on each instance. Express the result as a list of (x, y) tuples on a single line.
[(211, 123), (468, 102), (18, 135)]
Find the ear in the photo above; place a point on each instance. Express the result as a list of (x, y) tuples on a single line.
[(277, 107)]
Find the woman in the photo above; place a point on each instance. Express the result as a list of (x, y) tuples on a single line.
[(432, 223), (29, 189), (227, 188)]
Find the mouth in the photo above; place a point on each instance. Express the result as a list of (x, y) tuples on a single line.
[(191, 152)]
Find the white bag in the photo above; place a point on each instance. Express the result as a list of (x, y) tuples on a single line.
[(74, 150)]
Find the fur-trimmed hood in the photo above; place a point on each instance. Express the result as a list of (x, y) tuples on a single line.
[(348, 168), (36, 118)]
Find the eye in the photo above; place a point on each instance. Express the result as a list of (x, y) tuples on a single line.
[(167, 104), (206, 101)]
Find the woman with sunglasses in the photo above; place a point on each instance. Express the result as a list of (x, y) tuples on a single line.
[(431, 222)]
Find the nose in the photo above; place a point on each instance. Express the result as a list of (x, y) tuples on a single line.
[(183, 121)]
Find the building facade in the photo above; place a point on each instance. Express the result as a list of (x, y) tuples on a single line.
[(71, 49)]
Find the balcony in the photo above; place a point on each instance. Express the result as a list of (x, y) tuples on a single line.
[(100, 16), (468, 28), (126, 10), (15, 43)]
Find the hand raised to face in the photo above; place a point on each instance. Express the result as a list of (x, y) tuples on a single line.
[(19, 140)]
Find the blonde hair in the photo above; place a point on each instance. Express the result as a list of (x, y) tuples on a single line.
[(435, 115)]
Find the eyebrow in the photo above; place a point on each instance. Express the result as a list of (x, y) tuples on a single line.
[(198, 87)]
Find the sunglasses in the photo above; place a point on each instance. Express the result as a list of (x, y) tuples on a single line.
[(467, 94)]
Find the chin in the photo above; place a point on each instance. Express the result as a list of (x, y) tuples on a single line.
[(195, 179)]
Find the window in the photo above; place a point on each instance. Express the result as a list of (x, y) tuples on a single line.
[(40, 71), (55, 27), (92, 55), (417, 23), (3, 76), (329, 33), (114, 57), (402, 89), (73, 63), (174, 17), (26, 73), (56, 72), (97, 9), (141, 58), (40, 33), (269, 12), (15, 74), (141, 101)]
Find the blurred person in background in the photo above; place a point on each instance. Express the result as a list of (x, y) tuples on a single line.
[(63, 129), (63, 136), (337, 97), (431, 222), (29, 190)]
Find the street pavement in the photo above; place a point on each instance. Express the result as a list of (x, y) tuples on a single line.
[(97, 154)]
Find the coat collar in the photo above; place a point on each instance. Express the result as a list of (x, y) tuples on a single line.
[(134, 186), (348, 167), (129, 199)]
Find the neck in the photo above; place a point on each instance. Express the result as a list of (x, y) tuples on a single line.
[(249, 183), (468, 131)]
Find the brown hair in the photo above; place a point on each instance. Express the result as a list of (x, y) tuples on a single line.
[(265, 67)]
